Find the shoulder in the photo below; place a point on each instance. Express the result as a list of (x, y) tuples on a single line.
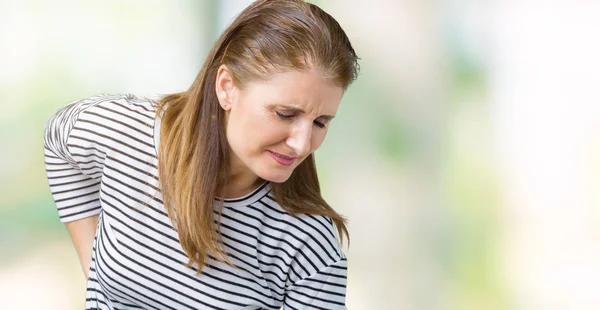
[(124, 114), (114, 106), (120, 107), (114, 122), (314, 236)]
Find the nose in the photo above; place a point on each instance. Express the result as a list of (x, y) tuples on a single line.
[(300, 140)]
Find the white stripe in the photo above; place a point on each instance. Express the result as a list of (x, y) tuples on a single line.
[(138, 259)]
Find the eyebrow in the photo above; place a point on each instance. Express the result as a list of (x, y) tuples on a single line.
[(298, 110)]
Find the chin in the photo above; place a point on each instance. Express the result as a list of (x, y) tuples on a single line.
[(275, 177)]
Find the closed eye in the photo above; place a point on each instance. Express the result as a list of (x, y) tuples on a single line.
[(283, 116), (287, 117), (319, 124)]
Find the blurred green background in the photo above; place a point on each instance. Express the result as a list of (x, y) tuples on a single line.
[(466, 156)]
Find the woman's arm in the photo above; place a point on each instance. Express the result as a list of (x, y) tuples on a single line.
[(324, 289), (74, 157), (82, 234)]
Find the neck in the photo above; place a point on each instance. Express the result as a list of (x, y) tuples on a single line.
[(239, 188), (241, 181)]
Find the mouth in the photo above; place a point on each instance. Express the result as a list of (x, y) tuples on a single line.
[(282, 159)]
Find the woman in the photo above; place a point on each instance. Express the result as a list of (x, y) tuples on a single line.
[(237, 220)]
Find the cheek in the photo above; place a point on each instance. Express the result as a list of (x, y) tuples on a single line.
[(238, 135), (317, 139), (269, 133), (255, 132)]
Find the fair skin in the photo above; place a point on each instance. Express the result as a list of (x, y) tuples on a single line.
[(82, 234), (255, 131), (273, 125)]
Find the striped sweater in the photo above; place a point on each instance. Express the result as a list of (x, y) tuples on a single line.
[(101, 159)]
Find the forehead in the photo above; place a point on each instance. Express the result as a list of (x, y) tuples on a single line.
[(308, 90)]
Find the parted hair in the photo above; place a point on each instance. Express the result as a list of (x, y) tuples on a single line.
[(269, 36)]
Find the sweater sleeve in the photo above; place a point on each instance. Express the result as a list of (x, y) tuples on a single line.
[(324, 289), (73, 163)]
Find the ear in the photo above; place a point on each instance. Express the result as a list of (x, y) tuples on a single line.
[(224, 87)]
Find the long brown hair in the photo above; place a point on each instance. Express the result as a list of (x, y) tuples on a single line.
[(269, 36)]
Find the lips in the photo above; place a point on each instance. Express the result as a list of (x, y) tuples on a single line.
[(282, 159)]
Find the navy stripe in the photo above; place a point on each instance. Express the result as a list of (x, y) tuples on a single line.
[(100, 158)]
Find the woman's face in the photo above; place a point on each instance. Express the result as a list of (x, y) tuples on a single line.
[(273, 125)]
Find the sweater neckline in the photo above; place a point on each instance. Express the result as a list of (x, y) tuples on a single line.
[(256, 195)]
